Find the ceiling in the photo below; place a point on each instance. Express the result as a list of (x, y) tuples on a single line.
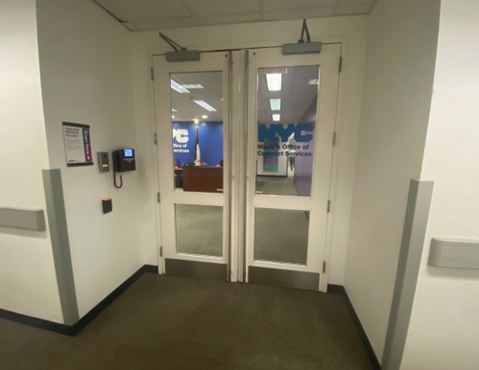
[(142, 15), (211, 93), (296, 95)]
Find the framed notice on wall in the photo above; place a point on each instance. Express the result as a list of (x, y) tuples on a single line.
[(77, 144)]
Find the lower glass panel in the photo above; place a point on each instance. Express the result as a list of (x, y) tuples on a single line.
[(281, 235), (199, 230)]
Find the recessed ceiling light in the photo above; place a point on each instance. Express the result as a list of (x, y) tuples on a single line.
[(205, 105), (173, 110), (172, 116), (204, 116), (275, 104), (276, 117), (274, 81), (177, 87), (193, 86), (314, 82)]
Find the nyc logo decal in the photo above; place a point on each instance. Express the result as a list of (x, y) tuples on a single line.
[(300, 132)]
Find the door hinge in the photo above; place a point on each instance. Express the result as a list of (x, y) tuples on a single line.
[(161, 251), (324, 267), (334, 139), (329, 205), (152, 74), (155, 138), (340, 64), (158, 197)]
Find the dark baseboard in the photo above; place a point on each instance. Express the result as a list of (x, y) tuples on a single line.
[(85, 320), (336, 289), (34, 322), (150, 268), (339, 289)]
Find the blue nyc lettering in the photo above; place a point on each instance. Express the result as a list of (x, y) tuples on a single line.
[(270, 133)]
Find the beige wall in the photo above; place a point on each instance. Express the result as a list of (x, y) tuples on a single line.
[(86, 78), (27, 273), (444, 328), (397, 93)]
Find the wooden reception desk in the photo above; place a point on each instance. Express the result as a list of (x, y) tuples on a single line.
[(203, 179)]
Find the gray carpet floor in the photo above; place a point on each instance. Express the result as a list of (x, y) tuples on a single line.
[(166, 323), (199, 230), (270, 185)]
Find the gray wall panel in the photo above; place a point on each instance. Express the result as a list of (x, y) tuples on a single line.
[(26, 219), (57, 222), (412, 244), (453, 253)]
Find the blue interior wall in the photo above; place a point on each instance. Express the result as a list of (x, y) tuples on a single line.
[(211, 143)]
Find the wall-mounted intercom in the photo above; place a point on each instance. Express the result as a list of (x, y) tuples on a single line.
[(123, 161), (103, 162)]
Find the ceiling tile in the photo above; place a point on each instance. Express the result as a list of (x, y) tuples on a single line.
[(166, 14), (146, 10), (204, 8), (298, 13), (353, 9), (355, 2), (131, 26), (230, 18), (166, 24), (295, 4)]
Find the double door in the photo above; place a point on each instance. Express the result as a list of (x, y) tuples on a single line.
[(245, 146)]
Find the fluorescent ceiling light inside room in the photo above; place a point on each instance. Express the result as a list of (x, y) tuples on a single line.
[(314, 82), (193, 86), (274, 81), (173, 110), (205, 116), (276, 117), (205, 105), (275, 104), (177, 87)]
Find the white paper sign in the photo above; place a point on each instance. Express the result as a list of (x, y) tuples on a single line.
[(77, 144)]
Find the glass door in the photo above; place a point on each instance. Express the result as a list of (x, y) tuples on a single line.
[(292, 103), (192, 125)]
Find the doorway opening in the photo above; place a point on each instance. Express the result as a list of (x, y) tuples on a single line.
[(244, 155)]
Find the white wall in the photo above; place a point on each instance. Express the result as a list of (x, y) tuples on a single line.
[(351, 30), (27, 273), (86, 78), (444, 328), (397, 93)]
